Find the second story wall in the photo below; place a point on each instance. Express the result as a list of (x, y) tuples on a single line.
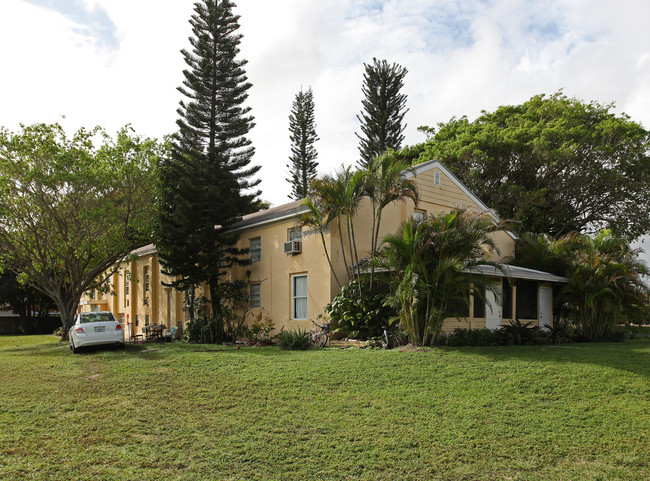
[(289, 288)]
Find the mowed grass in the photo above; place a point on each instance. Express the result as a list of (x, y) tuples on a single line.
[(189, 412)]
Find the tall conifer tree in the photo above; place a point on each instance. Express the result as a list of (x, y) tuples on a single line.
[(207, 184), (383, 110), (303, 165)]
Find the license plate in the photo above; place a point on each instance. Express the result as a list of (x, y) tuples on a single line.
[(100, 328)]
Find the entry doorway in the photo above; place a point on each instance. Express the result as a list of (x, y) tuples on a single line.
[(545, 307), (493, 307)]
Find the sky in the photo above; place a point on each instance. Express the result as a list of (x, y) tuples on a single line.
[(113, 62)]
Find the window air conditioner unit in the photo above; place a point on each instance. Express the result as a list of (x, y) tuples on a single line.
[(293, 247)]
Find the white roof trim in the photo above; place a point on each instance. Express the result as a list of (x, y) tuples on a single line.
[(145, 250), (267, 222), (433, 164)]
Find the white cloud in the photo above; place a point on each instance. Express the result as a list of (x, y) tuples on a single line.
[(462, 57)]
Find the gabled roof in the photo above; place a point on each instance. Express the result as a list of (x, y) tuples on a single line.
[(292, 209), (436, 164), (270, 216)]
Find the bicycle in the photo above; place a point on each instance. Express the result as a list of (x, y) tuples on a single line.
[(319, 338)]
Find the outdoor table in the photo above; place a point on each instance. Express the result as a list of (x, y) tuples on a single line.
[(154, 332)]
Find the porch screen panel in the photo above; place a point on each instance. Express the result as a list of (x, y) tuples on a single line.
[(479, 304), (526, 299), (507, 299)]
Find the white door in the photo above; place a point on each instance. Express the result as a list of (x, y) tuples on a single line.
[(545, 307), (493, 308)]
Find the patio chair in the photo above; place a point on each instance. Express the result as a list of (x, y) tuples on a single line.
[(170, 334)]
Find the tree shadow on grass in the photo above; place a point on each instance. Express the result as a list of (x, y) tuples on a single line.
[(632, 356)]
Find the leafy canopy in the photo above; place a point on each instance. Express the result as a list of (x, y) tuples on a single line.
[(553, 164), (70, 211)]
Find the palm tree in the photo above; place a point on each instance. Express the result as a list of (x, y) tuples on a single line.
[(340, 196), (318, 218), (606, 287), (355, 190), (435, 262), (386, 183)]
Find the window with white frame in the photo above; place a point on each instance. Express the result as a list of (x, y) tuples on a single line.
[(146, 279), (295, 233), (255, 297), (419, 216), (436, 178), (299, 297), (256, 249)]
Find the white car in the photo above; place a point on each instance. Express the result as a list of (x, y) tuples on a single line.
[(95, 328)]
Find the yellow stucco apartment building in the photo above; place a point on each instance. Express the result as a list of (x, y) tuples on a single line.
[(291, 280)]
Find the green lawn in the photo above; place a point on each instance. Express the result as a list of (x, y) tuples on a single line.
[(188, 412)]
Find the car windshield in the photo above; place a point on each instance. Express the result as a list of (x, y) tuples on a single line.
[(96, 317)]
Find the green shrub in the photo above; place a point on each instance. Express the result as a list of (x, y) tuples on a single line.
[(205, 330), (354, 313), (260, 331), (516, 332), (561, 331), (470, 337), (295, 340)]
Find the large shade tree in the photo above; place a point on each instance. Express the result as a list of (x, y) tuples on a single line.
[(71, 211), (208, 182), (554, 164)]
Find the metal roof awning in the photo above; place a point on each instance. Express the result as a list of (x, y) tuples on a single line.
[(503, 270), (516, 272)]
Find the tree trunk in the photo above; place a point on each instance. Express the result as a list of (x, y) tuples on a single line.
[(329, 261), (67, 319)]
